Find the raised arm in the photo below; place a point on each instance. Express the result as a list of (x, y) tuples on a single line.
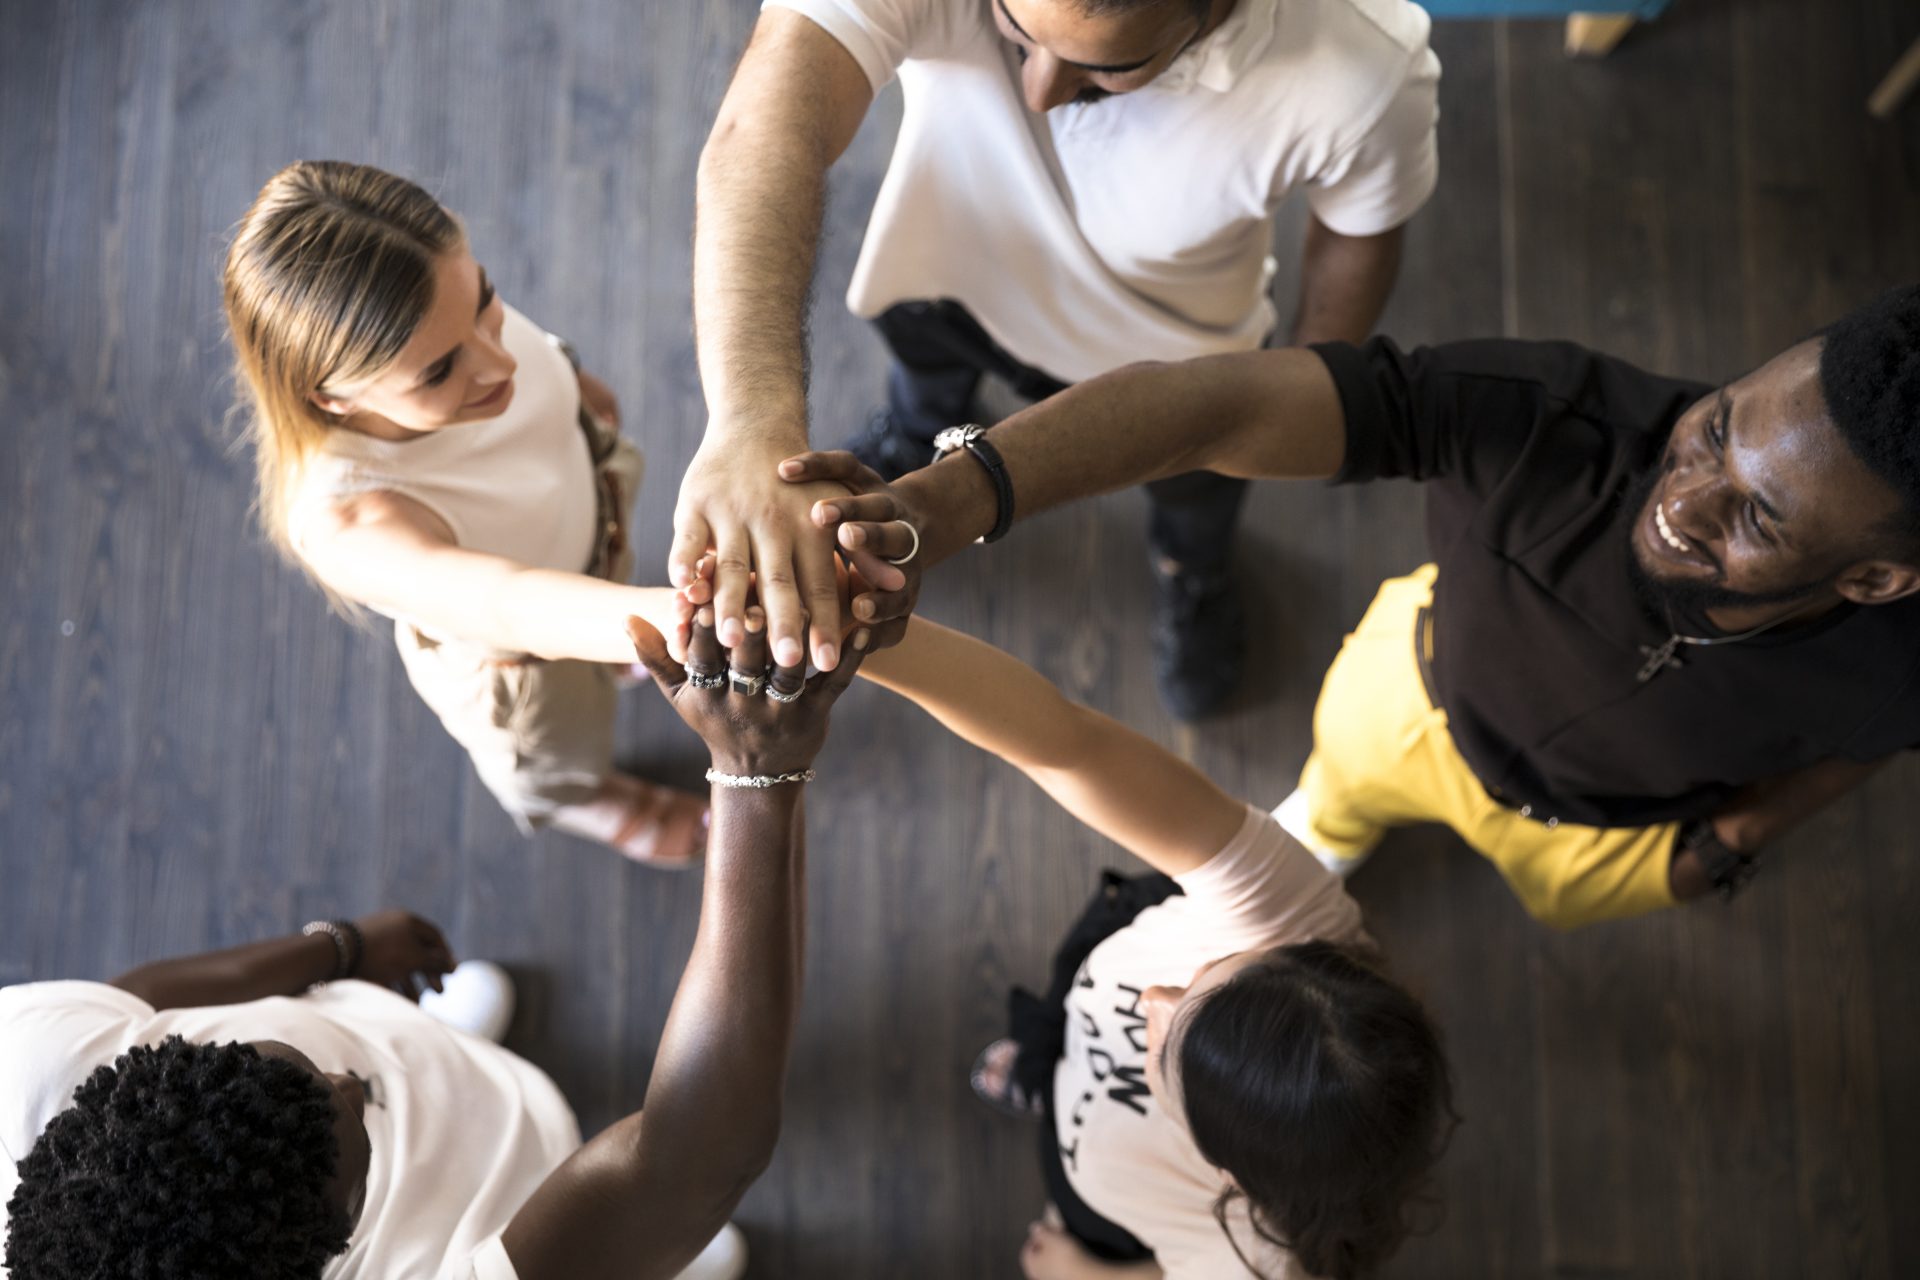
[(389, 552), (1128, 788), (643, 1198), (1261, 414), (795, 103)]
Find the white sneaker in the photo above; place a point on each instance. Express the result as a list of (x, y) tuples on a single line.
[(478, 1000), (1293, 819), (724, 1258)]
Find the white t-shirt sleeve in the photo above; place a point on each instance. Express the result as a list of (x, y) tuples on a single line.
[(878, 33), (489, 1262), (52, 1036), (1264, 889), (1381, 181)]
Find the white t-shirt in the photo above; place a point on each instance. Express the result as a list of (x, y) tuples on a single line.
[(463, 1131), (1139, 227), (519, 484), (1130, 1161)]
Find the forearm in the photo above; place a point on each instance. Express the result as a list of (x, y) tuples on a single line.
[(760, 191), (1344, 284), (1257, 413), (1121, 784), (568, 615), (712, 1114), (279, 967), (1763, 812)]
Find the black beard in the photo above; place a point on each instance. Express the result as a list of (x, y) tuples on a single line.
[(1666, 600)]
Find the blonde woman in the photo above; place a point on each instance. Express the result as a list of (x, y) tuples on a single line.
[(427, 452)]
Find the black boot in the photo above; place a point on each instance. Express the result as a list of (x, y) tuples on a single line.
[(1199, 637)]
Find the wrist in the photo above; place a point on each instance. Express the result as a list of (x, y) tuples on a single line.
[(758, 765), (956, 502), (781, 427)]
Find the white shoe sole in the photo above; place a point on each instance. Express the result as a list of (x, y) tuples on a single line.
[(478, 1000)]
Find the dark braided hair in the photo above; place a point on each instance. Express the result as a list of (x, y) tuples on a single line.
[(185, 1160), (1870, 379), (1322, 1087)]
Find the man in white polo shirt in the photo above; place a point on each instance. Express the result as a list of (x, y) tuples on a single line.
[(1077, 185)]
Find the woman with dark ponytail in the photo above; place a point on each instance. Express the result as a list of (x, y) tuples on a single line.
[(1230, 1084)]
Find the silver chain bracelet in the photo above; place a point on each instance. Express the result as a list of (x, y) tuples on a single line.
[(757, 781)]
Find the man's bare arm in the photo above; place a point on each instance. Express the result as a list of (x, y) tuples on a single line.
[(796, 101), (1260, 414), (1344, 283)]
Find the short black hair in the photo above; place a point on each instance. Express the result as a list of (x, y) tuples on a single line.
[(182, 1160), (1102, 8), (1870, 380)]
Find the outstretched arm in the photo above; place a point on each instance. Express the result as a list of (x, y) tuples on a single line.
[(397, 945), (796, 101), (1263, 414), (643, 1198), (1128, 788), (384, 550)]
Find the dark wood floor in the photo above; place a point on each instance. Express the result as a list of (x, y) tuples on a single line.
[(193, 753)]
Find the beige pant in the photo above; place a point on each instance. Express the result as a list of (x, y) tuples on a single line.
[(540, 731)]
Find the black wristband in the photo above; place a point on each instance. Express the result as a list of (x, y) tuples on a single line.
[(1727, 870), (973, 440)]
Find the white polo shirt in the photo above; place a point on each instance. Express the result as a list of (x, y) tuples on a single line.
[(1138, 227)]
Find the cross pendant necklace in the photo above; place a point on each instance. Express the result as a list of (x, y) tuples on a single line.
[(1665, 656)]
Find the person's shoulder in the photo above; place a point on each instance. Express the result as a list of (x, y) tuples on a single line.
[(1333, 67), (66, 998), (1364, 29)]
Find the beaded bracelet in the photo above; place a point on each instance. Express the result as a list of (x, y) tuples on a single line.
[(757, 781), (348, 945)]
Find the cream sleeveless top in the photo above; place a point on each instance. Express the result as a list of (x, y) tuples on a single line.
[(520, 484)]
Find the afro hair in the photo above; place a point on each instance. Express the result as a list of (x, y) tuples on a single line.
[(184, 1160), (1870, 379)]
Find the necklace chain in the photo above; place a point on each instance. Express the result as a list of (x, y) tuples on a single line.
[(1665, 656)]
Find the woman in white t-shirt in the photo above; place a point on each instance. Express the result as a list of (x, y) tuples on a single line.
[(426, 451), (1238, 1089)]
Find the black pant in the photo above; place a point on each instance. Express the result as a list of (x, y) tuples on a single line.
[(1038, 1024), (940, 353)]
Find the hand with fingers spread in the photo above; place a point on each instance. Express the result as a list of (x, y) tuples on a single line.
[(761, 720), (876, 530)]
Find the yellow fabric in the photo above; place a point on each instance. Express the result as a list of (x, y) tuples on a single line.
[(1383, 757)]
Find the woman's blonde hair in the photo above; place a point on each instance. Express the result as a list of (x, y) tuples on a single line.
[(329, 274)]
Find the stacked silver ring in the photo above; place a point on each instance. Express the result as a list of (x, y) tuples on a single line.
[(706, 679)]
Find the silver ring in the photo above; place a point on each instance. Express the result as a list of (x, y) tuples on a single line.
[(706, 680), (916, 546), (742, 683), (778, 696)]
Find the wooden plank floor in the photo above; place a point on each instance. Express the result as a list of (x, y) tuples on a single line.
[(193, 753)]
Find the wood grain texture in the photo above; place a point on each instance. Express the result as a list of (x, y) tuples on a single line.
[(193, 752)]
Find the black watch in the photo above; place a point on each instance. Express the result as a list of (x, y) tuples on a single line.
[(972, 438), (1728, 870)]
